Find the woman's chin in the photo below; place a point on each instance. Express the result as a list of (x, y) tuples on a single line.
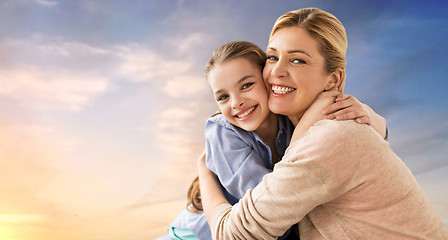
[(279, 107)]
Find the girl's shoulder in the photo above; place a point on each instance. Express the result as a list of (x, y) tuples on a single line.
[(221, 121), (219, 127)]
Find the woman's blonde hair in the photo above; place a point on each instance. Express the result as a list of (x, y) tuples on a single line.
[(325, 28), (222, 54)]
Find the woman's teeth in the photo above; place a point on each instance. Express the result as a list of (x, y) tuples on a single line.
[(247, 112), (282, 90)]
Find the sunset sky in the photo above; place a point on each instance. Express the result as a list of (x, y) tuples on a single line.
[(103, 103)]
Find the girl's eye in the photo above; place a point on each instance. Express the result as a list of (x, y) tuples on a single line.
[(223, 97), (272, 58), (247, 85), (297, 61)]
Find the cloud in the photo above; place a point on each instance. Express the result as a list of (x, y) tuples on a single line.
[(176, 77), (179, 135), (50, 88), (47, 3), (174, 133), (54, 73), (179, 132), (420, 142), (41, 198), (46, 72), (25, 170), (178, 127), (174, 118), (50, 73), (191, 42), (143, 65)]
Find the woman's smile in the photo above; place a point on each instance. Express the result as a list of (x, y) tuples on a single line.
[(281, 90)]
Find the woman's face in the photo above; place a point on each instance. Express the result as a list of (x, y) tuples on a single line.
[(240, 92), (294, 72)]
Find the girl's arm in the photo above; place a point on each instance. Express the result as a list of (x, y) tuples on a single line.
[(334, 105), (314, 113), (347, 107), (211, 194)]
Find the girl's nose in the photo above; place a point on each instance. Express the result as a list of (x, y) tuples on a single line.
[(237, 103)]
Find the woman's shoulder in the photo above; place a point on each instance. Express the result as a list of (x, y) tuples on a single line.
[(348, 131), (336, 129), (332, 132)]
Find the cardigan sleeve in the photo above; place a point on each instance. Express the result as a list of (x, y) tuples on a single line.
[(315, 170)]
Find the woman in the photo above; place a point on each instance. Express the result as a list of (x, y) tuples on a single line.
[(340, 180), (245, 141)]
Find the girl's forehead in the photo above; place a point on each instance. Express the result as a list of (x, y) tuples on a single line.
[(233, 72)]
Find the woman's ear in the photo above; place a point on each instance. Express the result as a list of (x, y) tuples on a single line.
[(335, 79)]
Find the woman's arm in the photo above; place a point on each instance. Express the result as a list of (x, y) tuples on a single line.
[(312, 172)]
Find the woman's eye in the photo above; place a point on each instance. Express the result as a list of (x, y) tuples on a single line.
[(223, 97), (247, 85), (297, 61), (272, 58)]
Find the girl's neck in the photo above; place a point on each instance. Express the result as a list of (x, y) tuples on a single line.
[(268, 129)]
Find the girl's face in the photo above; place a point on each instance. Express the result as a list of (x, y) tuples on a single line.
[(240, 92), (294, 72)]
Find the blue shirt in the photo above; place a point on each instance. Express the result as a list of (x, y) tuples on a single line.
[(240, 159)]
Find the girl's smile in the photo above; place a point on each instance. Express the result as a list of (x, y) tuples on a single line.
[(246, 113)]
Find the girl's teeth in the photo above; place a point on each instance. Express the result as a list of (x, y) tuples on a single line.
[(246, 112), (282, 90)]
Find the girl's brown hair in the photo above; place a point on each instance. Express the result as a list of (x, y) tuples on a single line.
[(222, 54)]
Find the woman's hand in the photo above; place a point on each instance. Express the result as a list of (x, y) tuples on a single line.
[(211, 193), (200, 163), (347, 107)]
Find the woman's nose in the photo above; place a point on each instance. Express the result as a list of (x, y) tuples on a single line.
[(279, 69)]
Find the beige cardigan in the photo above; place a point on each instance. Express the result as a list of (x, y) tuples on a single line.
[(341, 181)]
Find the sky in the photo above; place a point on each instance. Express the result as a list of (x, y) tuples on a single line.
[(103, 103)]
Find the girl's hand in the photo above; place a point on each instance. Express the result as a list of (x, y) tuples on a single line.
[(347, 107)]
